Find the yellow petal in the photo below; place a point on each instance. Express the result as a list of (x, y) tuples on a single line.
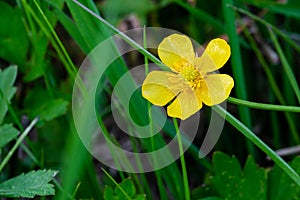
[(215, 88), (160, 87), (214, 57), (175, 51), (185, 105)]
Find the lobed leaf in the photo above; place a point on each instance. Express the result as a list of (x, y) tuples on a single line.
[(281, 186), (7, 79), (29, 185), (7, 133), (128, 187)]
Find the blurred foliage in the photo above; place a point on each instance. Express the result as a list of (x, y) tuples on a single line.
[(229, 181), (44, 83), (122, 191)]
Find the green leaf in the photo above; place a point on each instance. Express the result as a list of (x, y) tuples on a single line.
[(140, 8), (128, 186), (69, 25), (38, 62), (29, 185), (13, 38), (89, 27), (108, 193), (254, 184), (53, 109), (281, 186), (228, 174), (7, 133), (38, 57), (7, 79), (39, 104), (118, 193), (233, 183), (204, 191), (230, 182), (139, 197)]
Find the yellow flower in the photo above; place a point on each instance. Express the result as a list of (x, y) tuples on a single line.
[(192, 80)]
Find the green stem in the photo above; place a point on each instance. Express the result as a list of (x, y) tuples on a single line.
[(25, 148), (18, 142), (182, 160), (70, 66), (162, 191), (145, 47), (75, 190), (287, 68), (237, 66), (263, 106), (259, 143), (125, 37), (273, 84), (113, 180)]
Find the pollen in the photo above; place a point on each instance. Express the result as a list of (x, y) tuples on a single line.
[(191, 75)]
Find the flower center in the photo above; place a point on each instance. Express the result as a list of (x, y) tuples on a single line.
[(191, 74)]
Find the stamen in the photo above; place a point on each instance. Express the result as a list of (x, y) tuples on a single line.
[(191, 75)]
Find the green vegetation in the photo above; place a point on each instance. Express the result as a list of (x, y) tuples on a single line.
[(42, 46)]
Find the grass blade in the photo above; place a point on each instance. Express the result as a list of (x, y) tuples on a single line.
[(17, 144), (273, 84), (287, 68), (237, 65)]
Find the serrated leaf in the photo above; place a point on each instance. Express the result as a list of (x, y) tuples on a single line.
[(281, 186), (29, 185), (39, 103), (233, 183), (53, 109), (228, 175), (204, 191), (128, 187), (7, 133), (7, 79), (254, 184), (108, 193)]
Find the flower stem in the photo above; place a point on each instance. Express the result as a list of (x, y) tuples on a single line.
[(263, 106), (182, 160), (157, 173)]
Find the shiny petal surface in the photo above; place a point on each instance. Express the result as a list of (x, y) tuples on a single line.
[(160, 87), (215, 89), (185, 105), (216, 54), (175, 51)]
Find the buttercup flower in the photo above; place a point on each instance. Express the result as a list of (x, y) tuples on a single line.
[(192, 81)]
